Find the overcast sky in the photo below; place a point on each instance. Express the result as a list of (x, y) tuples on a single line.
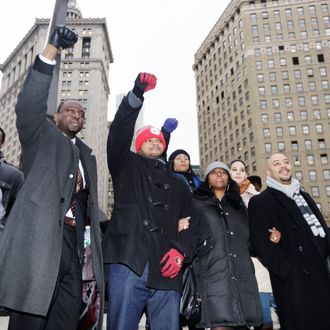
[(154, 36)]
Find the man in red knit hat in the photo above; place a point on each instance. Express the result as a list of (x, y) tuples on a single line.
[(142, 249)]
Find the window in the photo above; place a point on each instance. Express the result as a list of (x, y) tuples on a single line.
[(323, 72), (264, 118), (327, 98), (308, 144), (314, 100), (268, 147), (303, 115), (266, 132), (292, 130), (295, 60), (324, 158), (310, 159), (297, 74), (288, 102), (285, 75), (263, 104), (295, 147), (276, 103), (320, 58), (299, 87), (279, 131), (86, 47), (301, 100), (319, 128), (290, 116), (283, 61), (312, 85), (271, 64), (257, 52), (327, 190), (281, 146), (274, 89), (286, 88), (260, 77), (310, 72), (315, 191), (272, 76), (261, 90), (299, 175), (305, 129), (321, 143), (326, 174), (317, 113), (325, 84), (308, 59), (277, 117), (296, 160), (312, 175), (258, 65)]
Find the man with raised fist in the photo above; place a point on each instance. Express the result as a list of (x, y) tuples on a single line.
[(142, 248), (42, 248)]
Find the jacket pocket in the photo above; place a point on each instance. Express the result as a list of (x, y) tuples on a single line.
[(122, 219)]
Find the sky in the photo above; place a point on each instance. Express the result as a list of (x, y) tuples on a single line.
[(160, 37)]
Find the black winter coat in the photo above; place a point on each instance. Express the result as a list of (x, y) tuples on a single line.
[(11, 179), (297, 267), (149, 201), (224, 269)]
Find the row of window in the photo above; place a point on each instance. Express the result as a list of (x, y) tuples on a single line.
[(268, 146), (312, 175), (299, 88), (292, 130)]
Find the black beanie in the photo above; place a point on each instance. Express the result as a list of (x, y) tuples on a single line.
[(178, 152)]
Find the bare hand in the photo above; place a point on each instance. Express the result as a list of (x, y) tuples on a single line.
[(275, 235), (183, 224)]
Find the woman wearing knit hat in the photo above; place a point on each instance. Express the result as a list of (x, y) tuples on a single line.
[(223, 266), (247, 190)]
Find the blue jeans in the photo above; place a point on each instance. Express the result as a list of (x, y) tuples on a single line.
[(267, 301), (128, 295)]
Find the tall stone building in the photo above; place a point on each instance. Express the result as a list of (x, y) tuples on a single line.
[(262, 79), (84, 73)]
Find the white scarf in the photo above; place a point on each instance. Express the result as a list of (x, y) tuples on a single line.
[(292, 190)]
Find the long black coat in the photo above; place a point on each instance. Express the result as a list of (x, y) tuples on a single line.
[(224, 269), (149, 201), (31, 244), (299, 276)]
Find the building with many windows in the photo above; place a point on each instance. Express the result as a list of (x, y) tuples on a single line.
[(84, 73), (262, 79)]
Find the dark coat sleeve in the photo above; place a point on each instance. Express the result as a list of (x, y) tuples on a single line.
[(120, 135), (270, 254)]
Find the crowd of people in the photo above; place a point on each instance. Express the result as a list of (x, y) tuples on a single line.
[(252, 251)]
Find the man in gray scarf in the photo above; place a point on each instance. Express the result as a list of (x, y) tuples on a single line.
[(297, 253)]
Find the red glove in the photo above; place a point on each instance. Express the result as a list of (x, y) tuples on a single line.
[(173, 260), (143, 83)]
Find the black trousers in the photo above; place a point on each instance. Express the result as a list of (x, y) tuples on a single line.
[(65, 307)]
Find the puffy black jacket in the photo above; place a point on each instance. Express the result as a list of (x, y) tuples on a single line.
[(224, 270)]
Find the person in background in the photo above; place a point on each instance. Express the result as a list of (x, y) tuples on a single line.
[(247, 190), (143, 250), (298, 260), (42, 246), (256, 181), (11, 180), (223, 266)]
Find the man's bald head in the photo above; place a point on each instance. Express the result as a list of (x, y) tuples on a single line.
[(279, 168)]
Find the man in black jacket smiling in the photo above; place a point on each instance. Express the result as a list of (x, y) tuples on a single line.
[(142, 246)]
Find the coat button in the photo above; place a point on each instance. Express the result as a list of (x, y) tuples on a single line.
[(305, 271), (71, 176), (166, 186), (62, 200), (227, 213), (300, 248), (145, 223), (231, 233)]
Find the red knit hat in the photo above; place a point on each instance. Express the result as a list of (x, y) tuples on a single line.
[(148, 132)]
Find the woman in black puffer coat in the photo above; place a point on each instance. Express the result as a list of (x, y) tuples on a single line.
[(223, 267)]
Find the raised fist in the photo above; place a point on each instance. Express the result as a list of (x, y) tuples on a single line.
[(143, 83), (62, 37), (170, 124)]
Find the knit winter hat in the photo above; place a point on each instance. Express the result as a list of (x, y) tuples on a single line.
[(178, 152), (148, 132), (215, 165)]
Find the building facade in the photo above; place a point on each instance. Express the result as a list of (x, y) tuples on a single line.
[(84, 75), (262, 80)]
